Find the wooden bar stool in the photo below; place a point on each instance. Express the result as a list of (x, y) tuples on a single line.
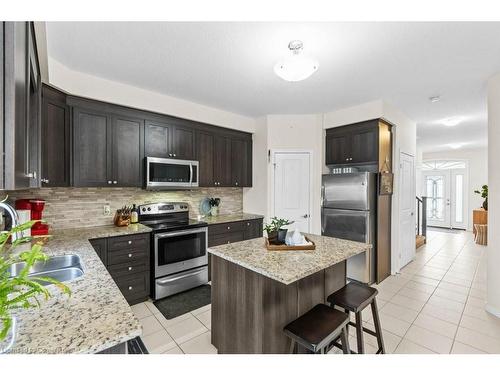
[(317, 328), (354, 297)]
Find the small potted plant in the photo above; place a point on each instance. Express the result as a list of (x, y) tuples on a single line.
[(276, 234), (22, 290), (214, 206), (484, 194)]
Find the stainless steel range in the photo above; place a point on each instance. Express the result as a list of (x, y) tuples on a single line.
[(178, 248)]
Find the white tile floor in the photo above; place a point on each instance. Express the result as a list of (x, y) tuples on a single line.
[(435, 305)]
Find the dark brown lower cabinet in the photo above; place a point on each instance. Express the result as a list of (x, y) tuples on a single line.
[(221, 234), (127, 260)]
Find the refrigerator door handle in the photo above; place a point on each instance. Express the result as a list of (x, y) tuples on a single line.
[(322, 195)]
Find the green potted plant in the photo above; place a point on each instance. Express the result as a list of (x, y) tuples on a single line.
[(484, 194), (276, 234), (21, 291), (214, 206)]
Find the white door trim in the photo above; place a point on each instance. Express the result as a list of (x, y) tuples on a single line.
[(311, 179)]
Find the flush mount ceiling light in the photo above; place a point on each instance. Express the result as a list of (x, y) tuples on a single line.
[(296, 67), (435, 99), (452, 121)]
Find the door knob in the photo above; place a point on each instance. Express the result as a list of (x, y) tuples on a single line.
[(305, 216)]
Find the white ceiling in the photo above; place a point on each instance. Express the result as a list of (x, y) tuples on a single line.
[(230, 66)]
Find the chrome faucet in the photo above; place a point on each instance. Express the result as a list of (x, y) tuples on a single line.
[(14, 218)]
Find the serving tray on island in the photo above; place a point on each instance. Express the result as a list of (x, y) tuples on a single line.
[(285, 247)]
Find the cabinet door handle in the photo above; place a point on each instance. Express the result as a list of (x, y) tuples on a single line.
[(130, 268), (228, 242), (45, 180), (115, 182), (110, 182), (130, 242), (236, 183), (130, 288), (130, 255), (248, 224), (228, 228), (175, 155)]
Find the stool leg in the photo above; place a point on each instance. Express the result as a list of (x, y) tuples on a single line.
[(344, 338), (378, 329), (292, 346), (359, 333), (347, 327)]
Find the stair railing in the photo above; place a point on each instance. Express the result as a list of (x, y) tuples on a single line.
[(421, 224)]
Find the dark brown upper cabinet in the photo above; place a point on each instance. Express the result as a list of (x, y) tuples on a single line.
[(164, 140), (352, 144), (158, 138), (56, 152), (91, 151), (20, 108), (183, 142), (222, 161), (241, 162), (205, 150), (126, 151), (107, 149)]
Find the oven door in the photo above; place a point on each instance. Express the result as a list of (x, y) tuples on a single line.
[(171, 173), (180, 250)]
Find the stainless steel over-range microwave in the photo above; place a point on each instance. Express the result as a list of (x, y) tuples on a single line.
[(162, 173)]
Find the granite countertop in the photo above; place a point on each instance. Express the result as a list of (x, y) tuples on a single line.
[(95, 317), (221, 219), (289, 266)]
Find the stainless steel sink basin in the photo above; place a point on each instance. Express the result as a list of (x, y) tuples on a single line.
[(61, 268)]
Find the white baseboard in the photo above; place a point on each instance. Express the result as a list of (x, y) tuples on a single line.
[(492, 310)]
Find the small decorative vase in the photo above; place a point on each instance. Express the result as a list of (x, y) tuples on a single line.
[(7, 343), (214, 210), (272, 237), (485, 204), (282, 236)]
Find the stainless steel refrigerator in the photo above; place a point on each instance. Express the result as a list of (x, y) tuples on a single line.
[(348, 211)]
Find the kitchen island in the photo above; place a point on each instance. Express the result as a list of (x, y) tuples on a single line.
[(256, 292)]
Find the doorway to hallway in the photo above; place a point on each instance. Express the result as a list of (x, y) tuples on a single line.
[(444, 184)]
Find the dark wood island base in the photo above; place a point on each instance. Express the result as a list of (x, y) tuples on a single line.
[(249, 310)]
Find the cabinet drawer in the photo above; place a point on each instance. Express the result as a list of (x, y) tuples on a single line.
[(129, 268), (134, 287), (128, 242), (226, 227), (223, 239), (127, 255)]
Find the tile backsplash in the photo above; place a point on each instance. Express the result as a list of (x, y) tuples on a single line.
[(83, 207)]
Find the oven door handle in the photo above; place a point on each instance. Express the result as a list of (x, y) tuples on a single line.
[(180, 233), (175, 278)]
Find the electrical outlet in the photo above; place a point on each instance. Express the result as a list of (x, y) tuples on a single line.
[(106, 210)]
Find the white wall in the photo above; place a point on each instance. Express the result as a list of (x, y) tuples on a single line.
[(299, 132), (478, 173), (86, 85), (255, 199), (284, 132), (405, 137)]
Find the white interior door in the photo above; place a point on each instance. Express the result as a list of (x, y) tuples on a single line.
[(446, 198), (292, 188), (407, 209)]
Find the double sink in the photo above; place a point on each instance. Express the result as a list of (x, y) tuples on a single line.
[(61, 268)]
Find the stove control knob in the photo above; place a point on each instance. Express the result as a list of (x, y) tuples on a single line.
[(143, 209), (149, 208)]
